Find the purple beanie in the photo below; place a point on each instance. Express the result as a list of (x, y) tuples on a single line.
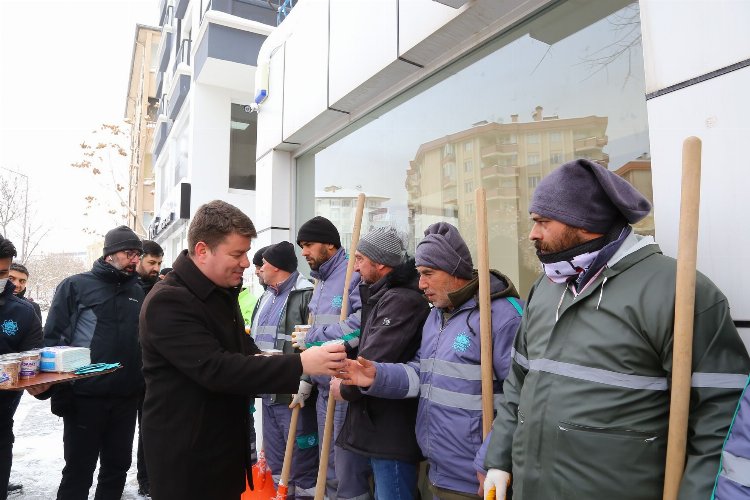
[(584, 194), (443, 248)]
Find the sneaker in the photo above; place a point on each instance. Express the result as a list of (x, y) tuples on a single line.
[(14, 488), (143, 490)]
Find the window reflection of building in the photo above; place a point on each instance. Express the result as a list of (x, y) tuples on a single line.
[(339, 205), (543, 144), (638, 173)]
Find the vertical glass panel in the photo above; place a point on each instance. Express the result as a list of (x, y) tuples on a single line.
[(243, 137), (559, 87)]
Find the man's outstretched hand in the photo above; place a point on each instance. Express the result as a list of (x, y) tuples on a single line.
[(323, 360), (360, 372)]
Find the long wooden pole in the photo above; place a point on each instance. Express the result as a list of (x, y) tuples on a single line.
[(286, 467), (485, 314), (682, 344), (325, 450)]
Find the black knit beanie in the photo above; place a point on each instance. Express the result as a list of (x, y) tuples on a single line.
[(121, 238), (319, 230), (258, 257), (281, 255)]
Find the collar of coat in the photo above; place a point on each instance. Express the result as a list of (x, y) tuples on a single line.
[(404, 275), (194, 278)]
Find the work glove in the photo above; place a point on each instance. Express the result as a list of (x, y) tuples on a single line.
[(305, 388), (298, 337), (496, 484)]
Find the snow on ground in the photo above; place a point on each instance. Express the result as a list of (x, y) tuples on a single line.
[(38, 453)]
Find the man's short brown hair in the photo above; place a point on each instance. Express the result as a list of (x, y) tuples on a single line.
[(216, 220)]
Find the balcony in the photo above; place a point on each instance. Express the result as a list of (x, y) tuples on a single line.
[(180, 89), (180, 8), (253, 10), (590, 144), (183, 56), (502, 193), (499, 150), (499, 171), (165, 12), (165, 48), (227, 56), (163, 125), (449, 182)]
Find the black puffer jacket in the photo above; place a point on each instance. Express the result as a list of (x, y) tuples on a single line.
[(393, 312), (99, 310)]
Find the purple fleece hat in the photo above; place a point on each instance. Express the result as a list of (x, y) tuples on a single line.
[(584, 194), (443, 248)]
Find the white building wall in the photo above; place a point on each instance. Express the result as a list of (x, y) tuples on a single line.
[(701, 38)]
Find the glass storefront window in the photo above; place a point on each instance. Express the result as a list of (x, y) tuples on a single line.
[(549, 91)]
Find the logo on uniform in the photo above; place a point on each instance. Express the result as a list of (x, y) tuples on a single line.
[(9, 327), (337, 300), (462, 342), (386, 321)]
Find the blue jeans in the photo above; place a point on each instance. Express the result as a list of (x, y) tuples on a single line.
[(394, 479)]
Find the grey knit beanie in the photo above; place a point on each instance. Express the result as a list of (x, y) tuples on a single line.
[(443, 248), (383, 245), (584, 194)]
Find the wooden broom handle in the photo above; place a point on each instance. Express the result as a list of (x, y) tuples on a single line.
[(485, 313), (682, 344)]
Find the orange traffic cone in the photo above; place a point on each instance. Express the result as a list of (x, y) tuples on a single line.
[(262, 481)]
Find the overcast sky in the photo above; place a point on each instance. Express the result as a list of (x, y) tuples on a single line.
[(65, 67)]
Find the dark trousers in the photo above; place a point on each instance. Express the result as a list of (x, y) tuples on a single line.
[(97, 428), (8, 404), (142, 473)]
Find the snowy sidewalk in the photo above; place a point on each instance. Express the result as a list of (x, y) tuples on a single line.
[(38, 454)]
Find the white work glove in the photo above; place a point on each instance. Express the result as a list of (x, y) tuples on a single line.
[(496, 484), (298, 338), (305, 388)]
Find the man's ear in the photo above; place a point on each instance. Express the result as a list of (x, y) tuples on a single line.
[(201, 250)]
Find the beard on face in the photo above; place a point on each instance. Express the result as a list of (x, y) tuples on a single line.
[(569, 238), (315, 261)]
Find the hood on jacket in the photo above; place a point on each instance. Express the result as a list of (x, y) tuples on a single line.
[(500, 287), (107, 272)]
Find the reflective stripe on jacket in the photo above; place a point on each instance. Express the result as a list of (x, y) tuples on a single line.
[(733, 481)]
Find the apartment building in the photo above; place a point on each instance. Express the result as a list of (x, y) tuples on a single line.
[(204, 144), (141, 108)]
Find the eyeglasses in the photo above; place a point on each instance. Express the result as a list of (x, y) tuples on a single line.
[(132, 253)]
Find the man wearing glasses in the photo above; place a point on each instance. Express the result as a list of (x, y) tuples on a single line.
[(99, 309)]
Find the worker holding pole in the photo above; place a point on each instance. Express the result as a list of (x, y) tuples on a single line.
[(446, 374), (347, 472), (587, 400)]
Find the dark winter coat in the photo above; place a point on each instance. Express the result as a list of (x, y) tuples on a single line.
[(99, 310), (200, 378), (20, 329), (37, 309), (146, 284), (393, 312)]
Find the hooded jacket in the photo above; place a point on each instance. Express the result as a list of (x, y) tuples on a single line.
[(393, 312), (99, 310), (37, 309), (587, 398), (325, 308), (447, 378)]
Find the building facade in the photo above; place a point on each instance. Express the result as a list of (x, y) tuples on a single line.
[(205, 133), (140, 112), (421, 102)]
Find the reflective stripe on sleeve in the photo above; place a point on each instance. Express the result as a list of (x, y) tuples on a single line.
[(519, 358), (326, 319), (719, 380)]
